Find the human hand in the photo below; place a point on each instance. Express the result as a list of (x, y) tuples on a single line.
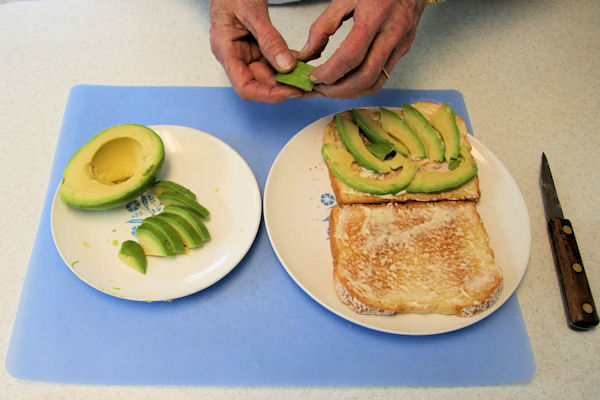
[(250, 49), (383, 31)]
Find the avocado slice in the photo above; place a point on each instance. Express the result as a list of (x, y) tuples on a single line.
[(170, 186), (353, 142), (444, 121), (433, 182), (375, 132), (397, 128), (192, 218), (380, 149), (178, 199), (299, 77), (132, 254), (419, 124), (153, 241), (112, 168), (186, 232), (340, 161), (172, 235)]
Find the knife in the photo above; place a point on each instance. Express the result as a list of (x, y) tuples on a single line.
[(577, 296)]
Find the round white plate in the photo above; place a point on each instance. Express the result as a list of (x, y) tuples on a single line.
[(297, 202), (89, 241)]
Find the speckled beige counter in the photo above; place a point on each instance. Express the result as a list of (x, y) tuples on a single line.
[(530, 75)]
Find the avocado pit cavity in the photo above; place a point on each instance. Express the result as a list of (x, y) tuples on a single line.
[(116, 161)]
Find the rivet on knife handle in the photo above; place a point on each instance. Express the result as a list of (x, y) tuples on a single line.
[(577, 296)]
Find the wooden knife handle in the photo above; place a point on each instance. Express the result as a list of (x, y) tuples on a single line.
[(576, 293)]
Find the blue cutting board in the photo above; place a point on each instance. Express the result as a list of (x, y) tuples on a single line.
[(255, 326)]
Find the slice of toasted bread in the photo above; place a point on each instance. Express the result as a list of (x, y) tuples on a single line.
[(347, 195), (414, 257)]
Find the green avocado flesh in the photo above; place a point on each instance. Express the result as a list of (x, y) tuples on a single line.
[(192, 218), (172, 234), (154, 241), (433, 182), (132, 254), (170, 186), (187, 233), (445, 122), (299, 77), (381, 174), (396, 127), (375, 132), (421, 126), (178, 199), (380, 150), (353, 142), (112, 168), (340, 161)]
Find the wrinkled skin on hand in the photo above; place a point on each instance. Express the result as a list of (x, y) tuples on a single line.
[(248, 47), (383, 31)]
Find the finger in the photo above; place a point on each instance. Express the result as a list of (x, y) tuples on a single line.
[(369, 77), (270, 41), (325, 26), (349, 55)]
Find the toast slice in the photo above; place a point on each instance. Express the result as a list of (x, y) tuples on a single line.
[(414, 257), (347, 195)]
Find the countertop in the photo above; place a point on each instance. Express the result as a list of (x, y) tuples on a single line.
[(530, 76)]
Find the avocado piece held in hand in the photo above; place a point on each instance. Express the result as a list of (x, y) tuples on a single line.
[(299, 77), (132, 254)]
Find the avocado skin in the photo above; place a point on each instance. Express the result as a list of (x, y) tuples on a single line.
[(340, 161), (299, 77), (77, 197), (433, 182)]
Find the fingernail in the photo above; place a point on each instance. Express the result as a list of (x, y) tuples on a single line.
[(303, 51), (285, 61), (314, 79)]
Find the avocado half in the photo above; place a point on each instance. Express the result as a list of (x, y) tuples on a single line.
[(112, 168)]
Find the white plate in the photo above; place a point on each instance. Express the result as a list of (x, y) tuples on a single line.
[(297, 220), (89, 241)]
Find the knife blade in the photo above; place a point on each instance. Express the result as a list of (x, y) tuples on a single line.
[(576, 294)]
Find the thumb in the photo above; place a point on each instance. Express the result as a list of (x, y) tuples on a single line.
[(272, 45)]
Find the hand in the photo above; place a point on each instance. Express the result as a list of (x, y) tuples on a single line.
[(383, 31), (250, 49)]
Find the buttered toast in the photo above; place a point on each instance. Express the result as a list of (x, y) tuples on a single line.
[(414, 257), (345, 194)]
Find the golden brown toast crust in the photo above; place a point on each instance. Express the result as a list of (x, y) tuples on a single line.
[(347, 195), (414, 257)]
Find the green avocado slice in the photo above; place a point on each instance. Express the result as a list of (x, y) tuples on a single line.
[(340, 161), (433, 182), (353, 142), (444, 121), (299, 77), (172, 235), (419, 124), (397, 128), (153, 241), (132, 254), (186, 232), (375, 132), (170, 186), (192, 218), (178, 199)]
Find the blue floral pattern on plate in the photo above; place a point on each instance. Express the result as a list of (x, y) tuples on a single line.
[(141, 208)]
